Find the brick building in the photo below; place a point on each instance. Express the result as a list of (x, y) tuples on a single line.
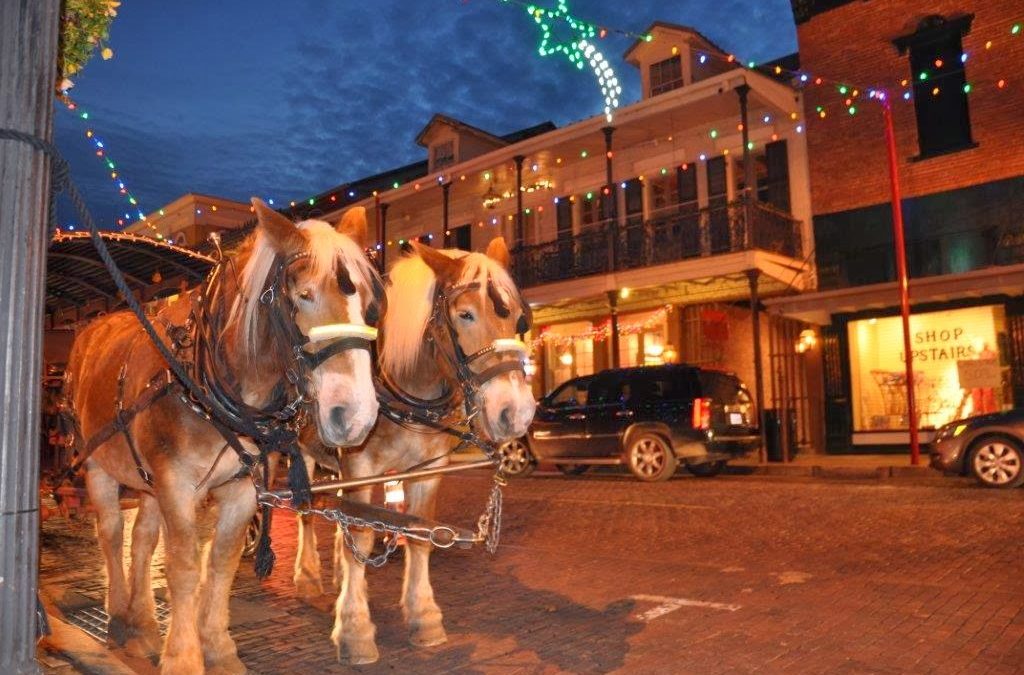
[(951, 69)]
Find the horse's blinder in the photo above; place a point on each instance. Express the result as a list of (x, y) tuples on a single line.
[(471, 380), (338, 337)]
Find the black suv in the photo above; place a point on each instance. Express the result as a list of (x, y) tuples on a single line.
[(651, 419)]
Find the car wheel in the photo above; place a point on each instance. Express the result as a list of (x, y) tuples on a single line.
[(997, 461), (252, 534), (650, 458), (516, 459), (707, 469), (572, 469)]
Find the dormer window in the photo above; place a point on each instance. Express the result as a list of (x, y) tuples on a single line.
[(666, 75), (442, 155)]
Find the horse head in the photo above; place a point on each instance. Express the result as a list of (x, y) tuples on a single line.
[(476, 314), (325, 294)]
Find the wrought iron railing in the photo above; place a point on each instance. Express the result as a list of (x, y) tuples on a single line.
[(673, 234)]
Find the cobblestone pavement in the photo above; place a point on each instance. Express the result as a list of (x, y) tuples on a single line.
[(728, 575)]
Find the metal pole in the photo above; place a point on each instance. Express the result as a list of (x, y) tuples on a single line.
[(755, 318), (520, 234), (28, 57), (613, 337), (749, 176), (383, 210), (445, 197), (608, 204), (903, 279), (335, 485)]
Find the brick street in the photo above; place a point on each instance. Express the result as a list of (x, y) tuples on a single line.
[(730, 575)]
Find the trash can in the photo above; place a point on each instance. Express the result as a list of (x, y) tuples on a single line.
[(774, 449)]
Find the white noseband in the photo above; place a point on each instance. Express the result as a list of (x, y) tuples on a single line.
[(331, 331)]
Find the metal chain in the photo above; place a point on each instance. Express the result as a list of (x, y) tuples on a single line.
[(488, 529)]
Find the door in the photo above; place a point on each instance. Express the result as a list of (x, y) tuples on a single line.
[(609, 414), (559, 425), (718, 206), (563, 224)]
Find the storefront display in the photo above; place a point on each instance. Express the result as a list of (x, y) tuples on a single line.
[(959, 369)]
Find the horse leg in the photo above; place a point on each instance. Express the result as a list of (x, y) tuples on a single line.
[(236, 501), (177, 498), (143, 629), (104, 495), (354, 633), (418, 606), (307, 559)]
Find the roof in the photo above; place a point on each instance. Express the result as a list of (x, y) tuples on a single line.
[(459, 125), (670, 26), (75, 274)]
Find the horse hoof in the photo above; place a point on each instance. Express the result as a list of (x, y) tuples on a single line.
[(229, 665), (429, 637), (308, 588), (358, 653), (117, 631), (144, 643)]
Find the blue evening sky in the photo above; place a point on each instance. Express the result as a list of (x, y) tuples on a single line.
[(285, 99)]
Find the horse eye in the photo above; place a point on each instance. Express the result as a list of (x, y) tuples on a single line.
[(467, 316), (306, 295)]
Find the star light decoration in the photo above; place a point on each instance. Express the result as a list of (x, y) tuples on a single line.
[(578, 48)]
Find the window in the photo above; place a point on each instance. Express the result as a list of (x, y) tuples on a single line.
[(442, 155), (572, 393), (590, 210), (666, 75), (664, 192), (960, 367), (939, 83)]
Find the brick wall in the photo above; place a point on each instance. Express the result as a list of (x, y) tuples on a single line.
[(853, 43)]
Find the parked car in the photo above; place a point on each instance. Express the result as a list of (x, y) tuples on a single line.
[(652, 419), (989, 447)]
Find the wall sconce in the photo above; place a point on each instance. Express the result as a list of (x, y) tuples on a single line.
[(565, 358), (808, 338)]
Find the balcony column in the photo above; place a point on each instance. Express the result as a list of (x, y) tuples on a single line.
[(755, 318), (613, 337), (609, 206), (445, 201), (520, 239), (382, 209), (749, 175)]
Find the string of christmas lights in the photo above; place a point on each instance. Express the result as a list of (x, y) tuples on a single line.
[(601, 332)]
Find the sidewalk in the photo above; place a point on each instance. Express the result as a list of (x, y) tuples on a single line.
[(863, 467)]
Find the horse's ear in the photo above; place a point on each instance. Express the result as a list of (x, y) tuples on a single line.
[(353, 225), (445, 268), (498, 251), (281, 232)]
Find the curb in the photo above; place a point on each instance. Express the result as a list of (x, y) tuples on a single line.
[(901, 473)]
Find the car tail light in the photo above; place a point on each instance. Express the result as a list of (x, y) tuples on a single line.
[(701, 413)]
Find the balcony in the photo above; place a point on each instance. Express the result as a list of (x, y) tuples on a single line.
[(675, 234)]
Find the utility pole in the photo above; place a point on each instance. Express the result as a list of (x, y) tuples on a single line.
[(28, 73)]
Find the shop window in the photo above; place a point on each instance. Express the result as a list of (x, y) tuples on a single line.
[(566, 354), (666, 75), (939, 83), (959, 368)]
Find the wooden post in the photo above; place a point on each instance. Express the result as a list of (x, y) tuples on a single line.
[(520, 233), (28, 72)]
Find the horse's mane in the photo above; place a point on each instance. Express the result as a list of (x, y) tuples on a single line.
[(326, 248), (410, 301)]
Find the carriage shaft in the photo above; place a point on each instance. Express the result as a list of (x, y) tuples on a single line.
[(334, 485)]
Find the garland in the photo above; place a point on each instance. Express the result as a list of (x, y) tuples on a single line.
[(85, 28)]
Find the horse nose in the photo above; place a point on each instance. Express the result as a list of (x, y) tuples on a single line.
[(338, 417)]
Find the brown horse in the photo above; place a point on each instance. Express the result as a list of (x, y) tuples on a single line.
[(178, 461), (449, 317)]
